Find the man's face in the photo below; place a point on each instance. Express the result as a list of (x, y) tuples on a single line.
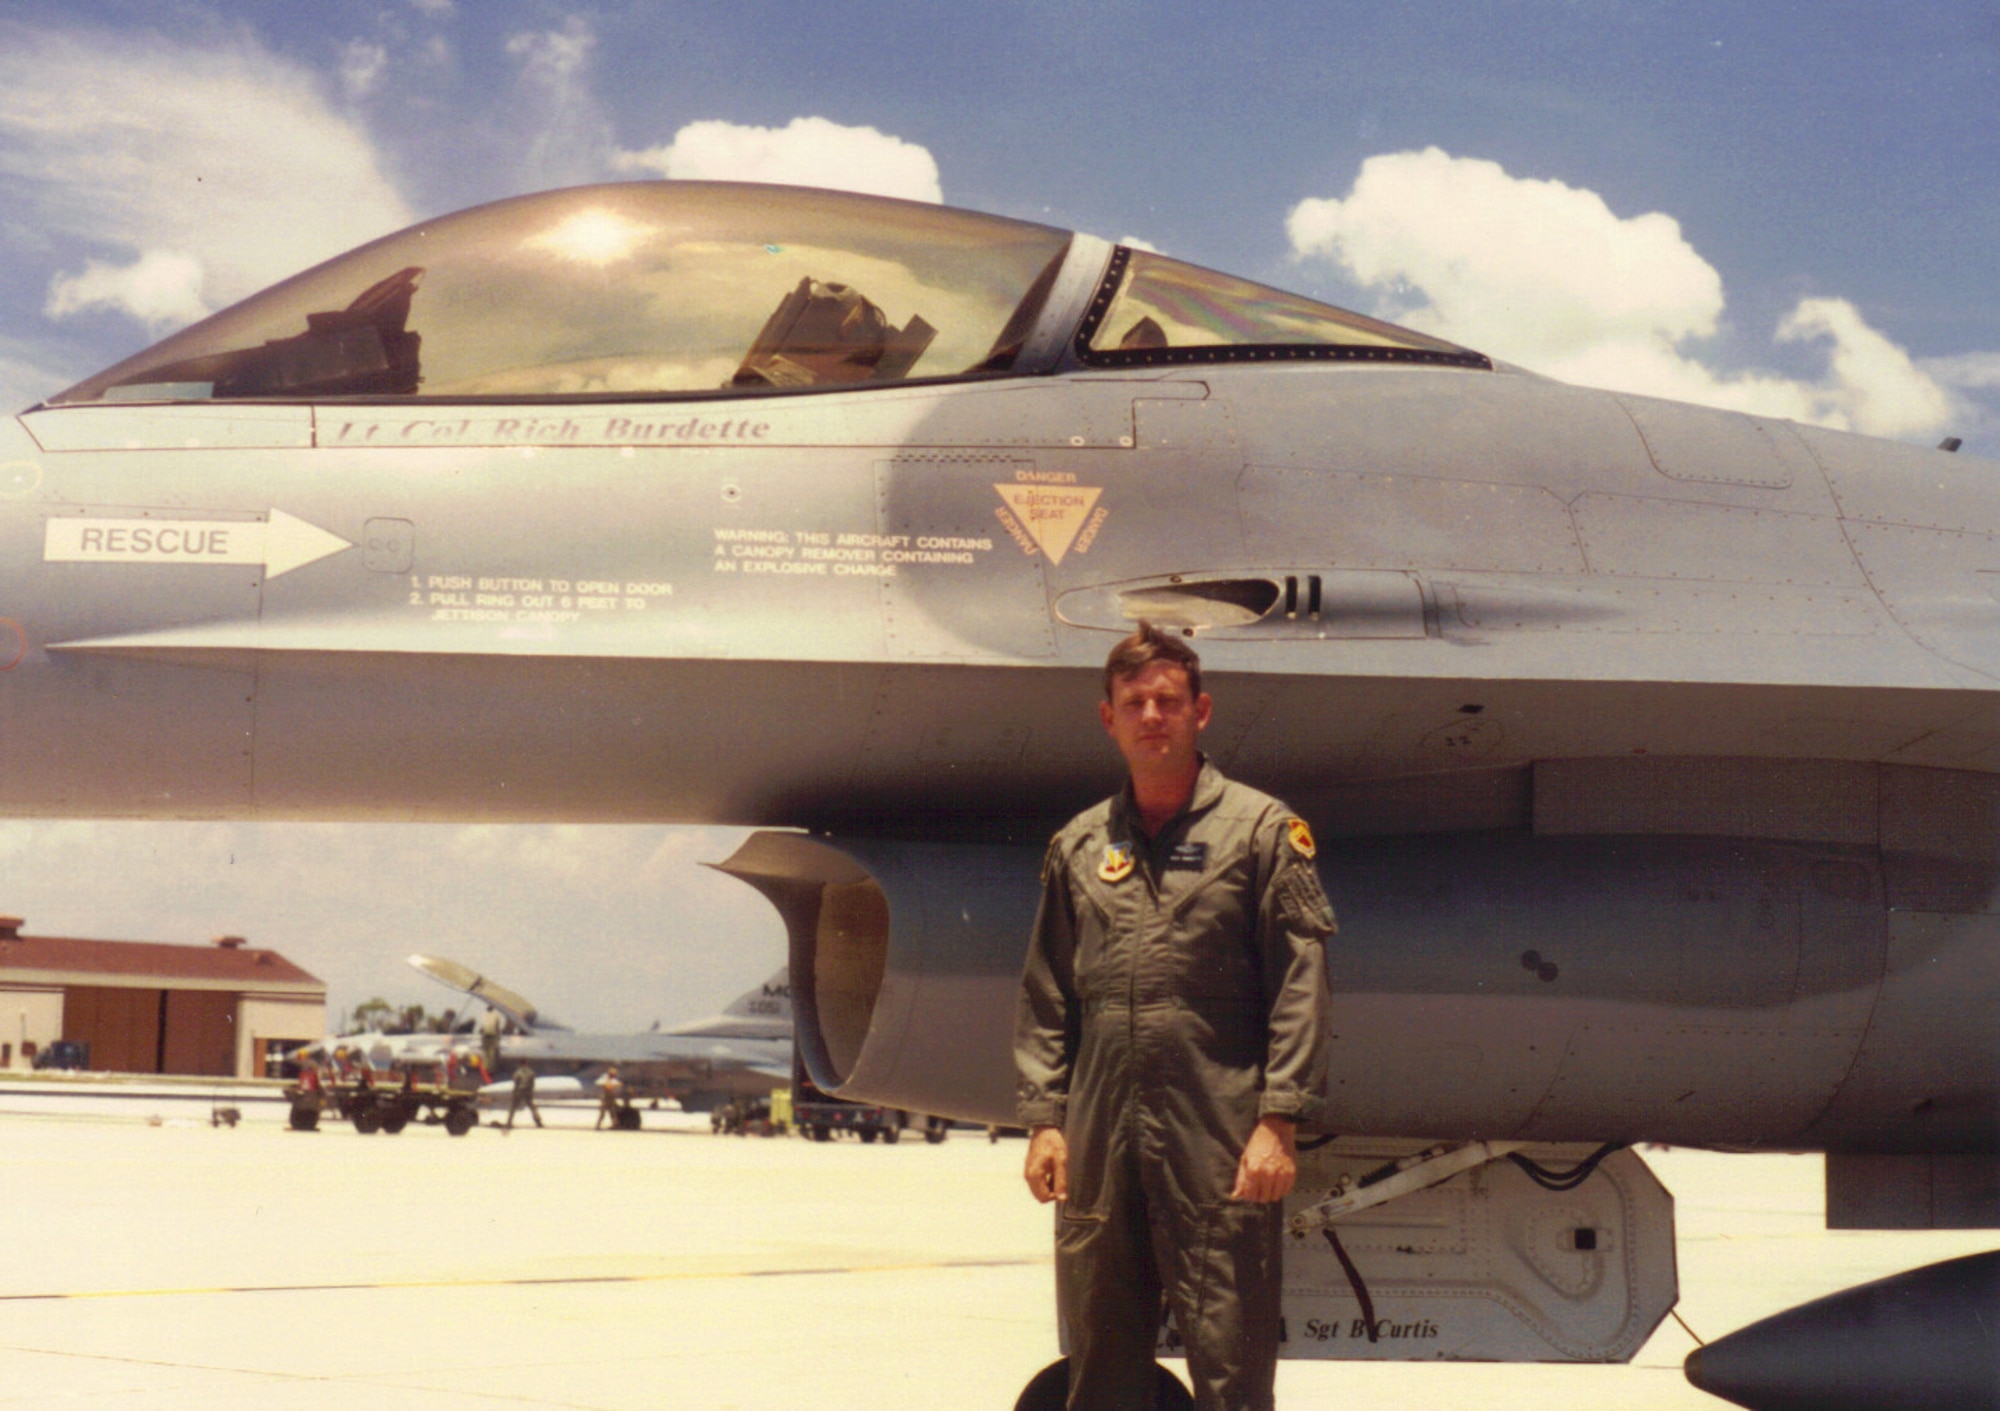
[(1154, 719)]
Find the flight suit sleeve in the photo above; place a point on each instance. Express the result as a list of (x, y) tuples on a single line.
[(1046, 1016), (1293, 922)]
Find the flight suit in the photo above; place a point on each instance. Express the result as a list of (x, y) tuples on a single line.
[(1175, 991)]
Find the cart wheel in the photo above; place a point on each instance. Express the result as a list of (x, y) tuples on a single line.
[(934, 1133), (628, 1119), (868, 1135), (367, 1119), (460, 1120), (394, 1120), (820, 1134), (1048, 1390), (305, 1117)]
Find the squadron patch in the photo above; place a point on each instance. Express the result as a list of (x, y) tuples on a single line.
[(1117, 864), (1300, 837)]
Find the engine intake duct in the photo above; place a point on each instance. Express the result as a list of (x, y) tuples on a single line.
[(905, 960)]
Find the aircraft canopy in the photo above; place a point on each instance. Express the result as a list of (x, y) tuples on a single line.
[(682, 288)]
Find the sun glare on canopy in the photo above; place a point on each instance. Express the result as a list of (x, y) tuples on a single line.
[(593, 237)]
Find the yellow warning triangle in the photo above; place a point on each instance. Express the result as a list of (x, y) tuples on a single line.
[(1051, 513)]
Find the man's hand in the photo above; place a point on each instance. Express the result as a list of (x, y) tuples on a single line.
[(1048, 1165), (1270, 1162)]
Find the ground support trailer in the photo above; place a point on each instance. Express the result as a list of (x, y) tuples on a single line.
[(384, 1102)]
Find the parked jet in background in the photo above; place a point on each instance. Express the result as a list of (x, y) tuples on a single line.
[(1655, 750), (743, 1052)]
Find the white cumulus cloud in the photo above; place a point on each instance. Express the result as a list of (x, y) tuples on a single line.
[(1881, 386), (170, 159), (1970, 370), (162, 288), (1547, 275), (808, 151)]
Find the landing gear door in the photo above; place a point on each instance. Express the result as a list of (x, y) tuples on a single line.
[(1511, 1261)]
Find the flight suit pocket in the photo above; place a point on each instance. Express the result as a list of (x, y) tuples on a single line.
[(1075, 1222), (1213, 922), (1078, 1229), (1231, 1278)]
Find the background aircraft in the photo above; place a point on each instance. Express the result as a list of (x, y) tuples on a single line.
[(745, 1051), (1652, 745)]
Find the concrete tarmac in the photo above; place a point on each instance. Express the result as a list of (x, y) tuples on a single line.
[(151, 1260)]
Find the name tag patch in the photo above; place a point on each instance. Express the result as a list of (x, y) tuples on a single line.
[(1188, 857)]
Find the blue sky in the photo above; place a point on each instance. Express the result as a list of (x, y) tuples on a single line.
[(1782, 207)]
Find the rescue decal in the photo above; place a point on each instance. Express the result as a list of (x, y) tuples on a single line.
[(280, 544), (1300, 837), (1117, 864), (1051, 518)]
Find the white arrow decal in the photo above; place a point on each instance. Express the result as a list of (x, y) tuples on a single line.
[(281, 545)]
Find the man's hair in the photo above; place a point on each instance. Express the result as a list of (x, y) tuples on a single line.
[(1145, 646)]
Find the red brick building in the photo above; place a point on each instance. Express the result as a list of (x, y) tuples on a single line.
[(220, 1010)]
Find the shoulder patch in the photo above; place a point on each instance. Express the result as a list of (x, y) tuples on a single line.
[(1117, 864), (1300, 837)]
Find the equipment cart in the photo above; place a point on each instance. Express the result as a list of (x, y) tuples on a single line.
[(387, 1101)]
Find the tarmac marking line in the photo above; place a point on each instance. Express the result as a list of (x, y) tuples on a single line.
[(539, 1282), (402, 1381)]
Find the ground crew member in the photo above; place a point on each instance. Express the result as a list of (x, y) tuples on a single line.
[(610, 1097), (1171, 1031), (489, 1038), (522, 1096)]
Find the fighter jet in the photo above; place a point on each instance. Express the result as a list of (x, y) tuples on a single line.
[(745, 1051), (1654, 750)]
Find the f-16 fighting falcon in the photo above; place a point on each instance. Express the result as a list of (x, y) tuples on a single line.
[(1652, 750)]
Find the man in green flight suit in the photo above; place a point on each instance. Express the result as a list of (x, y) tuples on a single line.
[(1171, 1033)]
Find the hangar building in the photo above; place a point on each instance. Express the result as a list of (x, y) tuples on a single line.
[(222, 1010)]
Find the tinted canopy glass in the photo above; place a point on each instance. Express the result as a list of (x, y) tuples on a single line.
[(632, 290), (1155, 310)]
